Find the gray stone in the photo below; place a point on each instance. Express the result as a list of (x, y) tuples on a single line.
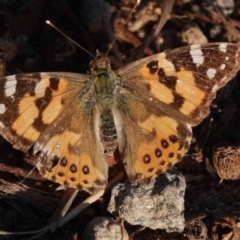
[(157, 205), (102, 228)]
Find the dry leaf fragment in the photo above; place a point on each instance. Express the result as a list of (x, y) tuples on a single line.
[(226, 228), (226, 161)]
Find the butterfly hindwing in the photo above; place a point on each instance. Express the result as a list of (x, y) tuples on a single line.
[(154, 141)]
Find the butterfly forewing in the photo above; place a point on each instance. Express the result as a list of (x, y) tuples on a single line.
[(184, 80), (43, 110)]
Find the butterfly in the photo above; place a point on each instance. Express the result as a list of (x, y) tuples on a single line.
[(145, 110)]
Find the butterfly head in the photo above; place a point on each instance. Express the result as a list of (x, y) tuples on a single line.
[(100, 64)]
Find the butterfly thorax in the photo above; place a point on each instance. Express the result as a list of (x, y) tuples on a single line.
[(103, 78), (104, 87)]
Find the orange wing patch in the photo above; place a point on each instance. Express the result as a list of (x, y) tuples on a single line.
[(28, 112), (47, 99), (149, 74), (187, 88), (166, 83)]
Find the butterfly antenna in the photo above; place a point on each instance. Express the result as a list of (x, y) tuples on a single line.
[(135, 6), (53, 26)]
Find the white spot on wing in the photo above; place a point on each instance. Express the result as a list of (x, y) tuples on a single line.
[(226, 58), (215, 88), (211, 72), (10, 86), (2, 125), (222, 66), (39, 147), (196, 49), (2, 108), (223, 47), (189, 127), (40, 88), (198, 59), (197, 54)]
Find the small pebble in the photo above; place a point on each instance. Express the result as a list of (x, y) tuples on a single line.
[(102, 228)]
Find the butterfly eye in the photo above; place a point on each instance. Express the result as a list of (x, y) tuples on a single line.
[(93, 65)]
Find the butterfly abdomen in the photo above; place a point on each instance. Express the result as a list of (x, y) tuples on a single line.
[(108, 133)]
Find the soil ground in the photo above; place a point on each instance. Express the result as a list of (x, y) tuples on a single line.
[(28, 44)]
